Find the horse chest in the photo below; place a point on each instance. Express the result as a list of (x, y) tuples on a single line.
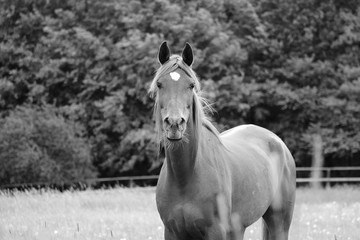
[(186, 220)]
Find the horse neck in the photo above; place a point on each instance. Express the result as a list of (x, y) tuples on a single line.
[(181, 158)]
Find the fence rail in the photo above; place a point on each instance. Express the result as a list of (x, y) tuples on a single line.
[(327, 178), (131, 179), (357, 168)]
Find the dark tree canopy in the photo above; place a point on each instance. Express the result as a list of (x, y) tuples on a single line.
[(290, 66)]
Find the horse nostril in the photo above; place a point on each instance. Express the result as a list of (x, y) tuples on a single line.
[(182, 121), (166, 121)]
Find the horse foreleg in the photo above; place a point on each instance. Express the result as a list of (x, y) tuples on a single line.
[(168, 235), (217, 232), (277, 223), (278, 216)]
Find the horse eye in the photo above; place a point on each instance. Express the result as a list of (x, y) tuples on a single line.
[(192, 85), (158, 84)]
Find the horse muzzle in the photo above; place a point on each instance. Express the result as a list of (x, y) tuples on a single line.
[(174, 136), (174, 128)]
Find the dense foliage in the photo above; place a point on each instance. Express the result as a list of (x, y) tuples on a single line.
[(39, 144), (290, 66)]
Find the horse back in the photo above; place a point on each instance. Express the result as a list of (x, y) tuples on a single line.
[(251, 141)]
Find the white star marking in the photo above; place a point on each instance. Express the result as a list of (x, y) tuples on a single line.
[(174, 76)]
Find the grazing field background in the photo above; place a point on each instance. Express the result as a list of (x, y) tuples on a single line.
[(130, 214)]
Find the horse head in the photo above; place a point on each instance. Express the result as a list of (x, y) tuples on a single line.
[(175, 85)]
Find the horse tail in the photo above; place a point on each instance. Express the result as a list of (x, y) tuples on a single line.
[(265, 231)]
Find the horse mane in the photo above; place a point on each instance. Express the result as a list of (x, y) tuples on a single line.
[(200, 105)]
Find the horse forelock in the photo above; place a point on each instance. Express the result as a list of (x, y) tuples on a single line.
[(200, 104), (174, 63)]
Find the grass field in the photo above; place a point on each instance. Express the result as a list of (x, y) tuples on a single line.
[(130, 214)]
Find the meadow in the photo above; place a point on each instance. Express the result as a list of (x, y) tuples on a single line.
[(130, 214)]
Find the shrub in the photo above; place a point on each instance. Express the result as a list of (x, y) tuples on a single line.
[(39, 145)]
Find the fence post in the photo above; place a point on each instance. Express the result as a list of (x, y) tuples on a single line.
[(317, 160), (131, 183), (328, 174)]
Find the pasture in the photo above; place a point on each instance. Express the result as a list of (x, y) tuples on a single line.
[(130, 214)]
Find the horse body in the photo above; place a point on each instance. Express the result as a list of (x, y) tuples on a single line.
[(248, 165), (249, 169), (263, 165)]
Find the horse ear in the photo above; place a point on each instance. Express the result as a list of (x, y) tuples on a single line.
[(164, 53), (187, 55)]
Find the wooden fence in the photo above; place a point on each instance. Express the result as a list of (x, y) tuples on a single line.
[(328, 175), (328, 178)]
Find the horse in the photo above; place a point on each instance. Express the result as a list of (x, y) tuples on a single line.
[(248, 165)]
